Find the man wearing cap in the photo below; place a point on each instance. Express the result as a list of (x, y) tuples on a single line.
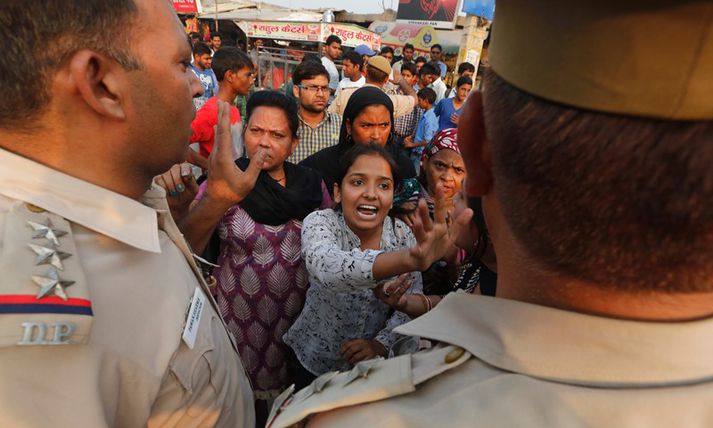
[(366, 52), (377, 74), (593, 167)]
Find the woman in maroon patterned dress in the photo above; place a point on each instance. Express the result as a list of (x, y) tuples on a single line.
[(261, 281)]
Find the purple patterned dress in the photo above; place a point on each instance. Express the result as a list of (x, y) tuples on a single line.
[(261, 289)]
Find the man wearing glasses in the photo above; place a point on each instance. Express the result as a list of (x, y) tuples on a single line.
[(318, 129), (436, 56)]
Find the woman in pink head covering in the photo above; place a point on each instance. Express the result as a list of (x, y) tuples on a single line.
[(442, 167), (443, 170)]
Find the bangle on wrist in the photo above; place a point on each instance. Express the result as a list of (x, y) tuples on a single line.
[(427, 304)]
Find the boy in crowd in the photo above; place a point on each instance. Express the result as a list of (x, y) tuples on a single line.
[(420, 61), (438, 85), (352, 66), (426, 129), (407, 58), (426, 74), (236, 75), (406, 125), (388, 53), (465, 69), (216, 41), (332, 52), (201, 67)]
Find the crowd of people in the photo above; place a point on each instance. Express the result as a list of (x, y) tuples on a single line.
[(364, 246), (303, 258)]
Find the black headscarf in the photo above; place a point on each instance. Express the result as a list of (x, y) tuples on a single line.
[(362, 98), (326, 161), (272, 204)]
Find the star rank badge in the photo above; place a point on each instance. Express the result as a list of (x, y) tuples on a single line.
[(51, 284), (49, 255), (46, 231)]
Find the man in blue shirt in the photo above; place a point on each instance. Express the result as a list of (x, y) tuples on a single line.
[(426, 129), (202, 63), (448, 109)]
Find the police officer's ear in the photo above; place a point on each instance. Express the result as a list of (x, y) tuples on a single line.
[(98, 80), (475, 147)]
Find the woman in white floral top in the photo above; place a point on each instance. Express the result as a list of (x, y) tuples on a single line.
[(348, 252)]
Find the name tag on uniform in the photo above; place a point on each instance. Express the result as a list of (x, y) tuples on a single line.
[(194, 318)]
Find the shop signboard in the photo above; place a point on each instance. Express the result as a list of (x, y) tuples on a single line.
[(439, 14), (281, 30), (351, 35)]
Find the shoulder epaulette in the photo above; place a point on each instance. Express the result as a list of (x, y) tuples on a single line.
[(44, 298)]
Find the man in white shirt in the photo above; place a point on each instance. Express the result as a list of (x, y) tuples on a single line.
[(407, 57), (352, 64), (438, 85), (332, 52)]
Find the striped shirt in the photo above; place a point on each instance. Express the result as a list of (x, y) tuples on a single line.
[(312, 140)]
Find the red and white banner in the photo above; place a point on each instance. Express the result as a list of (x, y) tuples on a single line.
[(186, 6)]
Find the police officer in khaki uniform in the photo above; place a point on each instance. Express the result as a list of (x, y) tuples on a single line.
[(105, 319), (591, 150)]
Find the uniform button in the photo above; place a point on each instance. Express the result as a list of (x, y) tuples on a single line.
[(454, 355)]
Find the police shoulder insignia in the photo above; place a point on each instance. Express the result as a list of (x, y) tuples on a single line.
[(44, 298)]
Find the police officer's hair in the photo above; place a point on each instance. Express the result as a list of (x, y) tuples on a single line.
[(277, 100), (201, 48), (373, 74), (619, 201), (309, 70), (230, 59), (42, 35), (466, 66)]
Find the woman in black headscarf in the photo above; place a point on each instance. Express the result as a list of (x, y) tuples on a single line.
[(368, 118)]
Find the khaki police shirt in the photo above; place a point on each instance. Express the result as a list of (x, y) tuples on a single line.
[(521, 365), (403, 104), (112, 354)]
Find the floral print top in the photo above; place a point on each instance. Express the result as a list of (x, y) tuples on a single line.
[(340, 303)]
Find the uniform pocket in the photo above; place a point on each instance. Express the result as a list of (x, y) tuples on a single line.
[(196, 369)]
